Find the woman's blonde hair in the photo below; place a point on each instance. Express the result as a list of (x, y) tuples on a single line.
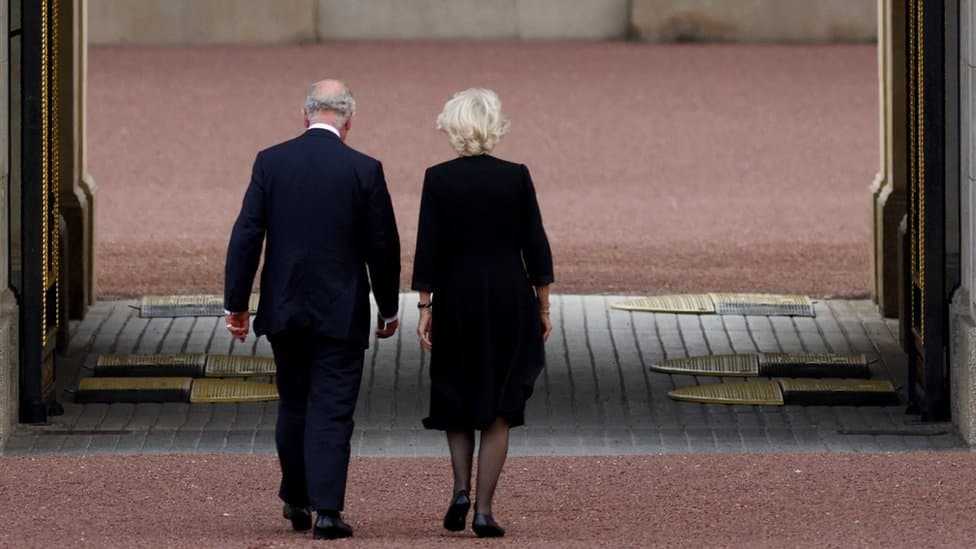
[(473, 121)]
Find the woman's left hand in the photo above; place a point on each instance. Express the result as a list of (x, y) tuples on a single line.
[(424, 329)]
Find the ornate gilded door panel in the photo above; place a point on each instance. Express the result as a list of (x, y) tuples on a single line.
[(927, 315), (40, 211)]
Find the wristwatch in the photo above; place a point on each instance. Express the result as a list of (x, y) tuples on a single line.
[(427, 305)]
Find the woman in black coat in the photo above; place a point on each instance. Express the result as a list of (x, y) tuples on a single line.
[(483, 269)]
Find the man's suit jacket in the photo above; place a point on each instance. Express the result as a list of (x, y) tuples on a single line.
[(326, 213)]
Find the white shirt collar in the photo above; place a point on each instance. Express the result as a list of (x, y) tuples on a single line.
[(324, 126)]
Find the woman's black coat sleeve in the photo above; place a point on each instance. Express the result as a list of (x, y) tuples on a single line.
[(428, 237), (535, 244)]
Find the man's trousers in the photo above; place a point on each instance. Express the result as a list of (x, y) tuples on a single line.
[(318, 382)]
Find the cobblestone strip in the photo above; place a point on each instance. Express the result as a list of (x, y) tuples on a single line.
[(698, 418), (884, 344), (586, 382), (562, 389), (787, 337), (131, 333), (675, 416), (364, 404), (751, 419), (883, 335), (106, 340), (683, 415), (204, 328), (596, 395), (810, 336), (830, 330), (724, 428), (221, 342), (153, 336), (644, 408), (781, 426), (191, 431), (83, 336), (637, 384), (172, 416), (408, 382), (176, 338), (383, 381), (605, 364)]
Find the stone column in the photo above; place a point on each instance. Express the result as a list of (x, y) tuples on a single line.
[(9, 356), (889, 189), (962, 318), (78, 189)]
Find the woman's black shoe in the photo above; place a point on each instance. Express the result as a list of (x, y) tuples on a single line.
[(486, 527), (457, 513), (300, 517)]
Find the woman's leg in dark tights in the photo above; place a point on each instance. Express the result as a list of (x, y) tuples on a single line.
[(491, 458), (461, 444)]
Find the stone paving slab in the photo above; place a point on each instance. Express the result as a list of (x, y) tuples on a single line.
[(596, 396)]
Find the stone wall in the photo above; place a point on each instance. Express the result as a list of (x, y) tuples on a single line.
[(9, 365), (298, 21), (755, 20), (472, 19), (9, 379), (962, 367), (962, 320), (201, 21)]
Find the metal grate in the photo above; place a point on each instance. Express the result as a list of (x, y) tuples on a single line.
[(183, 365), (838, 359), (737, 392), (153, 306), (679, 303), (181, 305), (836, 385), (762, 304), (239, 366), (134, 389), (723, 304), (839, 392), (746, 365), (227, 390), (805, 365), (814, 365)]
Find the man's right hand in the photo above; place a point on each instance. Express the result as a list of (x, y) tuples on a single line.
[(385, 329), (238, 324)]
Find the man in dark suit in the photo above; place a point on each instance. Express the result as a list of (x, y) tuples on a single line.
[(326, 214)]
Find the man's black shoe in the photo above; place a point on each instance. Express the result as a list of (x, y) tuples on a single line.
[(300, 517), (331, 526)]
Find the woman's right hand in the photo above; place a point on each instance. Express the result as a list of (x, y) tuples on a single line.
[(546, 325), (424, 329), (542, 294)]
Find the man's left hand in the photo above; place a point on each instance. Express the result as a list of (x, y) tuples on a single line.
[(238, 325)]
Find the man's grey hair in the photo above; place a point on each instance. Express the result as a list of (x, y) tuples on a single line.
[(340, 102)]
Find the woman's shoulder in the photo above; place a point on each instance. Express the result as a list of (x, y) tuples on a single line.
[(480, 162)]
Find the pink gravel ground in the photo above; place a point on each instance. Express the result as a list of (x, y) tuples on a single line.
[(718, 500), (659, 167)]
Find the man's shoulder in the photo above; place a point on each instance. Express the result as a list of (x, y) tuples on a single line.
[(279, 149), (360, 157), (296, 144)]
